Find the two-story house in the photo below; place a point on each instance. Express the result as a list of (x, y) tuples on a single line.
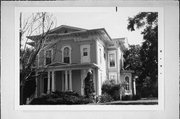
[(70, 52)]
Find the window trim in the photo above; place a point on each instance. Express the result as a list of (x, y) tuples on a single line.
[(45, 56), (62, 50), (115, 61), (127, 82), (85, 52), (88, 46), (100, 54)]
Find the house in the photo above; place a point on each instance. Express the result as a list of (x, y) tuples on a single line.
[(69, 53)]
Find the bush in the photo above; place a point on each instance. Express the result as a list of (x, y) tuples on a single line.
[(109, 87), (89, 85), (57, 97), (105, 98), (126, 97), (136, 97)]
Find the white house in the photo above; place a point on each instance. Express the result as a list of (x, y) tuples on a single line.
[(70, 52)]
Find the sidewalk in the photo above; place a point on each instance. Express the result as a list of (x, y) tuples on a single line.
[(133, 102), (130, 102)]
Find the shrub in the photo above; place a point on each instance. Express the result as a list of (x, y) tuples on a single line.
[(126, 97), (136, 97), (105, 98), (109, 87), (89, 85), (58, 97)]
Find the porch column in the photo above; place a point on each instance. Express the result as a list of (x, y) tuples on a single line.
[(48, 90), (53, 83), (134, 85), (70, 80), (94, 79), (66, 80), (83, 76)]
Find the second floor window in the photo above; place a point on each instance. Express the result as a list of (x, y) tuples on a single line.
[(112, 60), (66, 54), (85, 52), (100, 53), (48, 57)]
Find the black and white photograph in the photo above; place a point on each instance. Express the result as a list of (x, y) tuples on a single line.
[(89, 59), (87, 56)]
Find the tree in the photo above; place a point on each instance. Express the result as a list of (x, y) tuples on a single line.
[(41, 23), (148, 21), (89, 85), (133, 62), (133, 59)]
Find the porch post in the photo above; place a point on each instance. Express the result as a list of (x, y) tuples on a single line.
[(134, 85), (82, 81), (66, 80), (53, 83), (63, 86), (70, 80), (48, 90)]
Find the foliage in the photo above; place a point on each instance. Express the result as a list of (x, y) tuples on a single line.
[(36, 22), (148, 21), (105, 98), (111, 88), (24, 56), (29, 87), (133, 59), (126, 97), (89, 85), (57, 97)]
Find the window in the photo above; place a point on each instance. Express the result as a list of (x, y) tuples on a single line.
[(126, 83), (85, 52), (66, 55), (104, 55), (112, 60), (100, 53), (48, 57)]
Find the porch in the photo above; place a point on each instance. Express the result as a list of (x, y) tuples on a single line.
[(65, 77)]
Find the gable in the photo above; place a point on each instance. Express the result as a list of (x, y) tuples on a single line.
[(67, 32), (65, 29)]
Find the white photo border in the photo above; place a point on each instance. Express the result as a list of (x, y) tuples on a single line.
[(161, 88)]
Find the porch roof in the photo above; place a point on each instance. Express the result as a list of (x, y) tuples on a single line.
[(73, 66)]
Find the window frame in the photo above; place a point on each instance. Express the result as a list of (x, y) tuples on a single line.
[(45, 56), (115, 62), (62, 50), (88, 46), (85, 52), (127, 84)]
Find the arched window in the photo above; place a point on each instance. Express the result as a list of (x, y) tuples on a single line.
[(127, 83), (66, 54)]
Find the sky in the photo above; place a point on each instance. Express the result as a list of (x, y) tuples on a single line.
[(115, 22)]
